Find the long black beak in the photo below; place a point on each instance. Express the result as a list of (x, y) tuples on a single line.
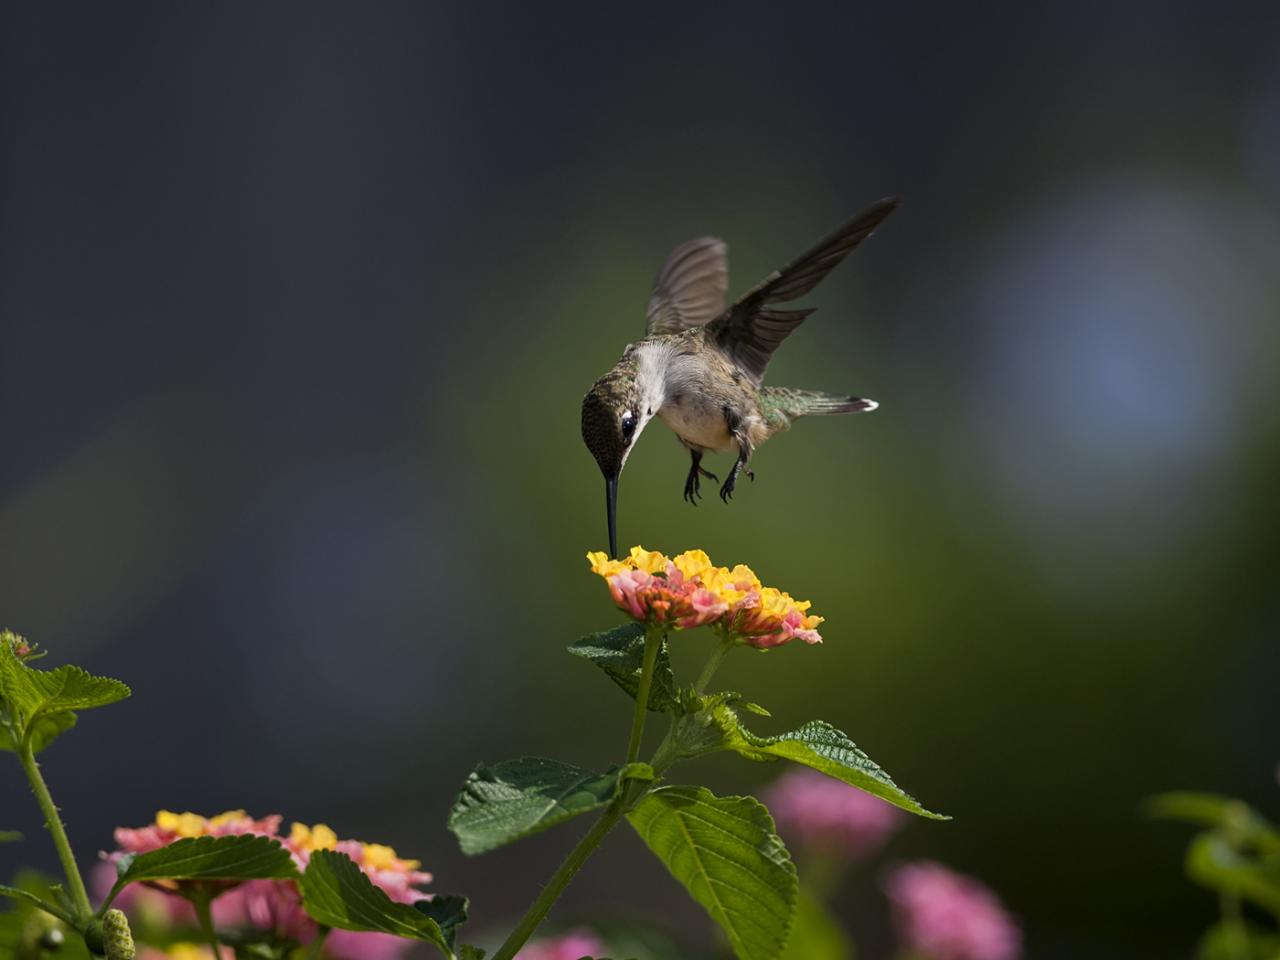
[(611, 506)]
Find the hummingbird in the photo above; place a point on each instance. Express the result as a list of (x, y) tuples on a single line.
[(700, 367)]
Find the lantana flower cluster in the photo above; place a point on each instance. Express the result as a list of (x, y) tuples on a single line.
[(273, 907), (688, 590)]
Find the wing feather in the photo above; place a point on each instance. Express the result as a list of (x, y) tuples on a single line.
[(750, 330), (690, 289)]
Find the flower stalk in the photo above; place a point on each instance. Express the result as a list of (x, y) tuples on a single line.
[(79, 895), (204, 917), (713, 663), (652, 644), (630, 794), (556, 886)]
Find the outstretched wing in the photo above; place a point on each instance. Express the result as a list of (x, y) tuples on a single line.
[(751, 329), (690, 288)]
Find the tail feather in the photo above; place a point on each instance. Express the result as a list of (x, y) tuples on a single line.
[(783, 405), (806, 403)]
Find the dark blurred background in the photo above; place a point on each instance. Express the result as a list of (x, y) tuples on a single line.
[(298, 303)]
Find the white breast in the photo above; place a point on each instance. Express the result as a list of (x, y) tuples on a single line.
[(688, 408)]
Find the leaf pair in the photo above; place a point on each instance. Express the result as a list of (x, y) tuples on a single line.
[(38, 705), (713, 723), (723, 849)]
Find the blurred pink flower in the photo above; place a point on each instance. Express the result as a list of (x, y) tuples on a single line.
[(155, 900), (944, 915), (278, 906), (169, 827), (268, 905), (827, 815), (571, 945)]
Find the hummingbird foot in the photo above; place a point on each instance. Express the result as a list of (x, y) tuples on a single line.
[(726, 491), (692, 483)]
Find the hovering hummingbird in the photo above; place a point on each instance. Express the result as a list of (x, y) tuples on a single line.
[(700, 367)]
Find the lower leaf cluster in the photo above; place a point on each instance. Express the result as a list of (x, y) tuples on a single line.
[(725, 851)]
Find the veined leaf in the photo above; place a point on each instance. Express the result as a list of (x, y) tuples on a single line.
[(234, 857), (336, 893), (516, 798), (620, 653), (449, 913), (728, 856), (42, 733), (827, 750), (40, 703), (1214, 863)]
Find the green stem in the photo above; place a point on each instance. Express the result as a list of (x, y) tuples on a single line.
[(316, 948), (35, 901), (551, 892), (79, 896), (204, 916), (616, 810), (1233, 920), (713, 663), (652, 644)]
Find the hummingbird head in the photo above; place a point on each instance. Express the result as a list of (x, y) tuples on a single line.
[(612, 417)]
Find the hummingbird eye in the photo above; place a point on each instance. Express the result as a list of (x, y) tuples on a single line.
[(628, 424)]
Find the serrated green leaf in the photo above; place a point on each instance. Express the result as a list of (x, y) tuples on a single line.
[(234, 857), (620, 654), (336, 893), (827, 750), (449, 913), (40, 704), (517, 798), (1214, 863), (729, 857), (816, 935), (42, 733)]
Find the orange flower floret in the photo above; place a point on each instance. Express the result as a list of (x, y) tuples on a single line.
[(689, 591)]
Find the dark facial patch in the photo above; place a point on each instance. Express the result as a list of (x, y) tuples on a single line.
[(601, 432)]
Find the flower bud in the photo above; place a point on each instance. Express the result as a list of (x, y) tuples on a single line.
[(117, 940)]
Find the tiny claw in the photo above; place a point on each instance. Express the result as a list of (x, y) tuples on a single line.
[(709, 475), (691, 489)]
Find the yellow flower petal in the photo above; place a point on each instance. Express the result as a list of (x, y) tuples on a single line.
[(319, 837), (380, 857), (602, 565), (650, 561), (693, 563)]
